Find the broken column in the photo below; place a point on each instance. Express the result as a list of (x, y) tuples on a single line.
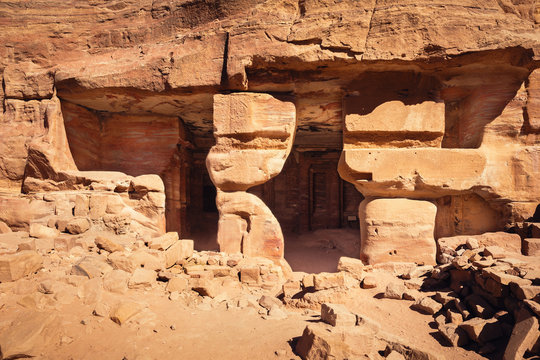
[(393, 156), (397, 230), (254, 134)]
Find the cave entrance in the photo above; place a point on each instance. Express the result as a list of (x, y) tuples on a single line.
[(202, 210), (147, 143), (316, 209)]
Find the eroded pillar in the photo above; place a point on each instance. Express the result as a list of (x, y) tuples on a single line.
[(393, 156), (254, 134), (397, 229)]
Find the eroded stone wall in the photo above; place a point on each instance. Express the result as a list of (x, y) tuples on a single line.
[(433, 101)]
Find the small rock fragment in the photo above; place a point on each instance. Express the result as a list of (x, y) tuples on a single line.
[(369, 282), (125, 311), (427, 305), (78, 226), (394, 290), (337, 315), (18, 265), (142, 279), (107, 244)]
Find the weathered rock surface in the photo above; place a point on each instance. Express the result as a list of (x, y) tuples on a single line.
[(18, 265), (254, 135), (397, 230), (318, 342), (337, 315), (109, 110)]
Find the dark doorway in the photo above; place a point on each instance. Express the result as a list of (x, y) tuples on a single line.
[(316, 210), (324, 198)]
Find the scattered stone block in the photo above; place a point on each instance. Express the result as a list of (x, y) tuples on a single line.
[(276, 313), (319, 342), (91, 291), (472, 243), (291, 288), (418, 271), (269, 302), (78, 226), (337, 315), (121, 261), (504, 278), (524, 335), (479, 306), (453, 317), (482, 330), (370, 282), (64, 243), (163, 242), (534, 306), (142, 279), (220, 271), (411, 294), (178, 284), (29, 244), (326, 280), (495, 252), (91, 267), (25, 336), (250, 275), (107, 244), (180, 250), (82, 205), (398, 268), (16, 266), (308, 281), (426, 305), (484, 263), (42, 231), (101, 309), (125, 311), (462, 308), (523, 292), (211, 288), (353, 266), (148, 259), (453, 334), (531, 247), (394, 290), (116, 281), (445, 298)]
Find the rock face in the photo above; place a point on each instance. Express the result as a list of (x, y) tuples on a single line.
[(122, 116)]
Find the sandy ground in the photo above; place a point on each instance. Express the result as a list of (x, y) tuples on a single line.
[(312, 252), (201, 328), (320, 250), (170, 330)]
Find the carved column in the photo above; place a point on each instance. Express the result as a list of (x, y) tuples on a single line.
[(393, 156), (254, 134)]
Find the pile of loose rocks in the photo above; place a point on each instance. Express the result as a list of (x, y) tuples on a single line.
[(486, 298), (112, 275), (345, 335)]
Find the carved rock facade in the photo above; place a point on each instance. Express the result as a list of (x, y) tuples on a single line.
[(430, 110)]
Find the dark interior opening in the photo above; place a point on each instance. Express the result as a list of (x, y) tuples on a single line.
[(209, 199), (317, 210)]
